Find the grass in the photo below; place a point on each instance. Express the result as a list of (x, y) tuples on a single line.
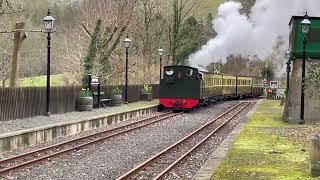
[(260, 153), (40, 81), (209, 6), (204, 7)]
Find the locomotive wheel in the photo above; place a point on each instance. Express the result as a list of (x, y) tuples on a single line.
[(160, 108)]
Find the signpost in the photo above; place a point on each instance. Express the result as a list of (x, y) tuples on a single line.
[(95, 80), (275, 84), (265, 83)]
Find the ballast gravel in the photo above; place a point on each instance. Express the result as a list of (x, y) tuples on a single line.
[(24, 149), (188, 168), (110, 159)]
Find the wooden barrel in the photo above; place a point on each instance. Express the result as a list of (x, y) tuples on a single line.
[(116, 100), (314, 153), (85, 103)]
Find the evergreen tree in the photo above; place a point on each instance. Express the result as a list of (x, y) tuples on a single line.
[(209, 32), (92, 52), (190, 39)]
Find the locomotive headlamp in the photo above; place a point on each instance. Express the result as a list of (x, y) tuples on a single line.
[(169, 72), (189, 72), (305, 24)]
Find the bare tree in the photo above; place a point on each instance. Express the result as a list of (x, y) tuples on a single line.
[(181, 10), (117, 16), (6, 7), (150, 35), (4, 66)]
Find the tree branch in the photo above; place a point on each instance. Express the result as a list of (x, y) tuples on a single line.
[(86, 30)]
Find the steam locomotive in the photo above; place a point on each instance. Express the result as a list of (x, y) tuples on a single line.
[(187, 88)]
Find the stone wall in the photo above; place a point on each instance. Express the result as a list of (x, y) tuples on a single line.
[(312, 105)]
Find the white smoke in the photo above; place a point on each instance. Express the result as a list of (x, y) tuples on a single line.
[(255, 34)]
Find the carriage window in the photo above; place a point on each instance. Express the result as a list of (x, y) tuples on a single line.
[(169, 72), (189, 72)]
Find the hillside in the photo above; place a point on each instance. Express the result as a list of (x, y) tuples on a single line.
[(211, 6), (208, 6)]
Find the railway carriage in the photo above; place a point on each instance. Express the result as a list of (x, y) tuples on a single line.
[(185, 87), (229, 86), (211, 86), (257, 86), (244, 86)]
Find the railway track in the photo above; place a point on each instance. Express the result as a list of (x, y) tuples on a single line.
[(162, 163), (31, 158)]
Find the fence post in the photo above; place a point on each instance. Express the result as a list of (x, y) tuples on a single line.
[(19, 36)]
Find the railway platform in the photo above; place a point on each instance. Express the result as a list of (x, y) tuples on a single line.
[(212, 163), (41, 129)]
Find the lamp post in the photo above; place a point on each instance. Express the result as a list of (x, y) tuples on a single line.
[(127, 45), (305, 25), (288, 56), (48, 26), (161, 51), (216, 71)]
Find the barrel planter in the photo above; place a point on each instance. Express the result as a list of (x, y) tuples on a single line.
[(85, 103), (116, 100), (149, 97), (314, 153)]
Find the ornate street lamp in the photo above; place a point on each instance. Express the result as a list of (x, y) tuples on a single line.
[(48, 26), (305, 26), (126, 45), (215, 71), (288, 56), (161, 51)]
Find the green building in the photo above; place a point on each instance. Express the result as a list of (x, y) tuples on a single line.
[(296, 38), (292, 111)]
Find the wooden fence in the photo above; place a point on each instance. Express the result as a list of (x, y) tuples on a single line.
[(16, 103)]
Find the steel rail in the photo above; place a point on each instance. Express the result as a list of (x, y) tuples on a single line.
[(35, 153), (148, 161), (197, 145)]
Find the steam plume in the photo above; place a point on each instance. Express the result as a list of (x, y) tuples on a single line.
[(255, 34)]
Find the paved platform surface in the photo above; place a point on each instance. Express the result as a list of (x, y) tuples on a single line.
[(207, 170), (58, 119)]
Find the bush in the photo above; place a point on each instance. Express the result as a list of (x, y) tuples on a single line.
[(117, 91), (85, 93), (147, 89)]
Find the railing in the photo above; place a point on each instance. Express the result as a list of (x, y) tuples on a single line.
[(16, 103)]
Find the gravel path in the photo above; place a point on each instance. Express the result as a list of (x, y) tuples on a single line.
[(116, 156)]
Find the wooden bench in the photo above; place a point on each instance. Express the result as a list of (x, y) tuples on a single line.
[(105, 102)]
